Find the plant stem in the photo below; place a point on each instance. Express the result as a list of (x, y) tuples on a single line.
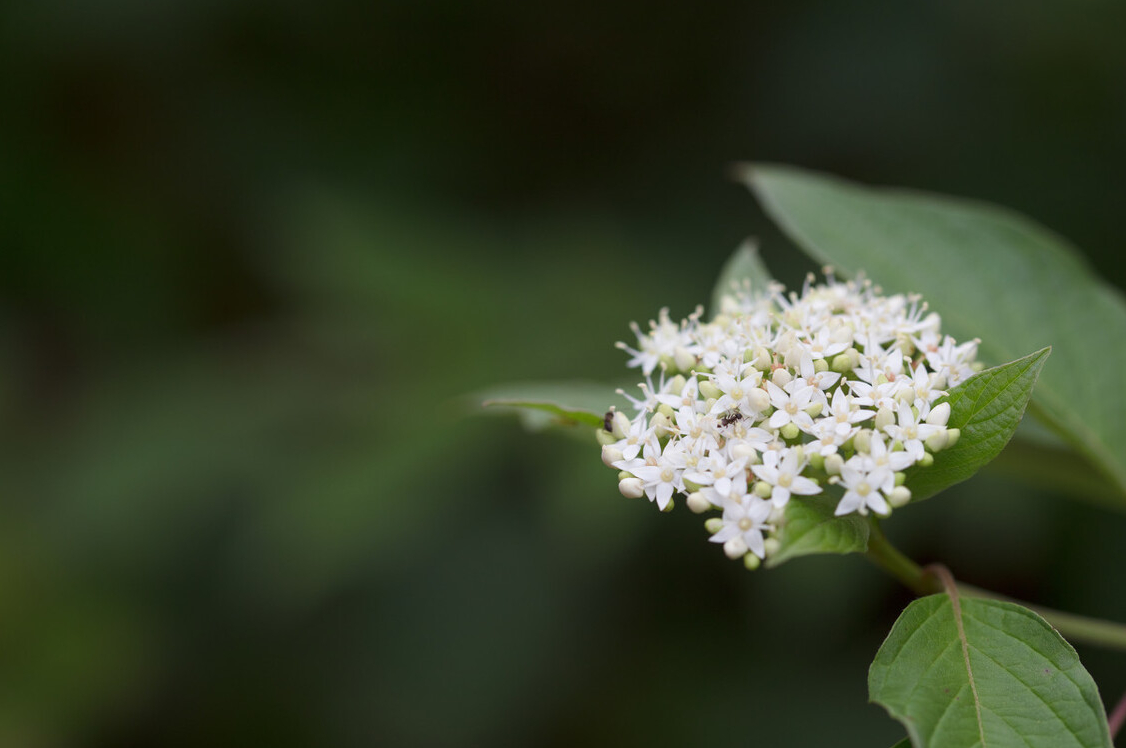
[(1075, 627)]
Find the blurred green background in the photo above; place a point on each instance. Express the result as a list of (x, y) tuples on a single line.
[(256, 254)]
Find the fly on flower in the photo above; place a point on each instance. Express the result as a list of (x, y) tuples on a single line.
[(782, 397)]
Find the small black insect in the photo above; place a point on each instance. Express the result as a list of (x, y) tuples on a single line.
[(729, 419), (608, 420)]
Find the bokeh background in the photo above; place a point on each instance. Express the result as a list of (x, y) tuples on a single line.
[(255, 255)]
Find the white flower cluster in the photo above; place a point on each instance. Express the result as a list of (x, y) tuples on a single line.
[(782, 396)]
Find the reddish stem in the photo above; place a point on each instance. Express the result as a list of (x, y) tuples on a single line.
[(1117, 717)]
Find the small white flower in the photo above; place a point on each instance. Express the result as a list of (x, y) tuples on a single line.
[(783, 472), (862, 489)]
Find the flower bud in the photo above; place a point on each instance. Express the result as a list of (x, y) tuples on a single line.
[(611, 454), (734, 548), (751, 561), (773, 545), (900, 478), (631, 488), (814, 409), (841, 363), (660, 424), (820, 365), (762, 489), (697, 503), (863, 441), (939, 414), (927, 461), (790, 431), (952, 436), (683, 359), (604, 437), (709, 390), (781, 377), (743, 450), (621, 424), (763, 360), (899, 496), (816, 461), (713, 525), (759, 399), (885, 417), (937, 441), (833, 464)]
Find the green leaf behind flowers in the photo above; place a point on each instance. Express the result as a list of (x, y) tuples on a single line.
[(990, 273), (744, 265), (545, 404), (811, 528), (987, 408), (961, 672)]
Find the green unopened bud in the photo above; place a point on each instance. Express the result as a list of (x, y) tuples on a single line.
[(904, 343), (885, 417), (667, 363), (691, 486), (713, 525), (927, 461), (841, 363), (709, 390), (624, 474), (853, 357), (751, 561), (899, 496), (773, 545), (676, 384), (762, 360), (816, 461), (882, 379), (900, 478), (666, 410), (604, 437), (813, 409), (660, 424), (683, 359), (833, 464), (669, 506), (952, 436), (762, 489), (820, 365), (781, 377), (863, 441), (790, 431), (697, 503)]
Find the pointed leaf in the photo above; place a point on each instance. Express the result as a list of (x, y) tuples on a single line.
[(564, 403), (811, 528), (991, 274), (744, 265), (985, 673), (987, 408)]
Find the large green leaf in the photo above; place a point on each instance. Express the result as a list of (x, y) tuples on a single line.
[(744, 265), (991, 274), (987, 408), (811, 528), (969, 672)]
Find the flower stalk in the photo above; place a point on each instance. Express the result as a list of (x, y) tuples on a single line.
[(1076, 628)]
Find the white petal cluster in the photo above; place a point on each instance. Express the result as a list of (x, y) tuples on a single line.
[(786, 396)]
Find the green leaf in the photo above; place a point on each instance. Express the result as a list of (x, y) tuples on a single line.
[(745, 264), (987, 408), (990, 273), (564, 403), (811, 528), (985, 673), (905, 743)]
